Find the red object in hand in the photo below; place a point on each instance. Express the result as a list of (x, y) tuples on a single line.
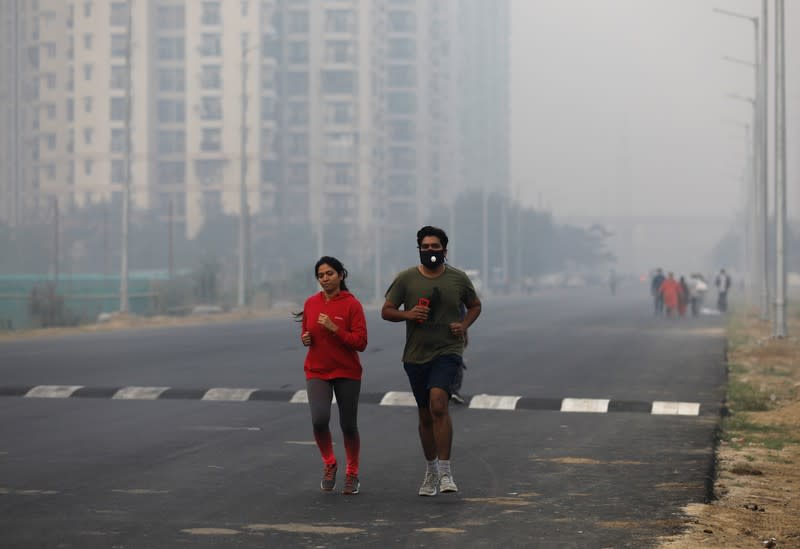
[(425, 302)]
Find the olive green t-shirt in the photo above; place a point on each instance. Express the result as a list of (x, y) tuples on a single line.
[(447, 292)]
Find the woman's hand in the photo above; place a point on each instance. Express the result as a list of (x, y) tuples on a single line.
[(306, 339), (325, 320)]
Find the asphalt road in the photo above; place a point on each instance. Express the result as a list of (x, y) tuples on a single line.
[(179, 471)]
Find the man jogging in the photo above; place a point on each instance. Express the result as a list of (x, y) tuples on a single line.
[(431, 295)]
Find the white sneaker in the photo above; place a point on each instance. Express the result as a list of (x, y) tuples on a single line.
[(447, 484), (428, 487)]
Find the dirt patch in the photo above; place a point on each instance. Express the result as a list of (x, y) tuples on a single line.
[(758, 459)]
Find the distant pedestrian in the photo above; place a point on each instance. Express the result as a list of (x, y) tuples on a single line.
[(670, 292), (697, 290), (655, 291), (334, 330), (723, 284), (431, 295), (683, 298)]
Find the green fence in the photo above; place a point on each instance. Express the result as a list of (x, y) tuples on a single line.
[(84, 296)]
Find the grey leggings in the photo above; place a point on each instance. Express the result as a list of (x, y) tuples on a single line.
[(320, 396)]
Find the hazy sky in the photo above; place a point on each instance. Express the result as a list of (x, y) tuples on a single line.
[(621, 104)]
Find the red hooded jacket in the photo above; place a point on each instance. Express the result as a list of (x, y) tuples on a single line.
[(332, 355)]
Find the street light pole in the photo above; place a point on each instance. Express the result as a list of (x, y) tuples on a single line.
[(244, 207), (760, 148), (126, 191), (779, 329)]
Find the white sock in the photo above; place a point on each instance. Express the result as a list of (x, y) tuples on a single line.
[(433, 467), (444, 467)]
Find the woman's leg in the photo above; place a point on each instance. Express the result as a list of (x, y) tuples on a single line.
[(320, 395), (347, 392)]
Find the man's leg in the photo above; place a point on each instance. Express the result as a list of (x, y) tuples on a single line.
[(426, 436), (442, 426)]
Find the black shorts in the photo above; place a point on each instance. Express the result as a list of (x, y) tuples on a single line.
[(440, 372)]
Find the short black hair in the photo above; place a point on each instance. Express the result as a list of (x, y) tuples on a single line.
[(428, 230)]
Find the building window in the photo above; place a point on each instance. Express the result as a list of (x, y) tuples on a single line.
[(87, 72), (119, 45), (171, 111), (118, 108), (298, 52), (117, 171), (171, 80), (401, 103), (171, 173), (171, 141), (211, 108), (87, 9), (211, 140), (87, 104), (50, 80), (212, 204), (402, 21), (401, 130), (119, 77), (88, 136), (50, 48), (297, 83), (209, 172), (267, 108), (401, 76), (51, 111), (298, 22), (87, 166), (171, 48), (298, 114), (401, 158), (338, 82), (211, 77), (211, 14), (119, 13), (402, 48), (339, 113), (118, 141), (339, 174), (51, 141), (244, 6), (339, 20), (298, 173), (339, 51), (70, 110), (170, 17), (298, 144), (210, 44), (87, 41)]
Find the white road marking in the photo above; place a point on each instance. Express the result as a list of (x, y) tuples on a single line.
[(591, 405), (676, 408), (221, 393), (398, 398), (301, 397), (302, 442), (222, 428), (494, 402), (53, 391), (139, 393)]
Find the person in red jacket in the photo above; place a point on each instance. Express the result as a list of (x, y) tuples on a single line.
[(671, 290), (334, 330)]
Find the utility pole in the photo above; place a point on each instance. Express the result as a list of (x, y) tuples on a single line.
[(126, 191), (779, 329), (763, 180), (15, 206), (244, 211), (171, 237), (56, 240), (519, 236)]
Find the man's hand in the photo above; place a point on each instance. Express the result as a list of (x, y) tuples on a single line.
[(458, 329), (418, 313), (325, 320), (306, 339)]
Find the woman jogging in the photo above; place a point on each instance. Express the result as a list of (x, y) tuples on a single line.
[(334, 330)]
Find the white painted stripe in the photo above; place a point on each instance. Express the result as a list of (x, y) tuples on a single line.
[(592, 405), (221, 393), (53, 391), (398, 398), (139, 393), (494, 402), (301, 397), (676, 408)]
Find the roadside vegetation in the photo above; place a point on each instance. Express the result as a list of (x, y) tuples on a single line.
[(758, 459)]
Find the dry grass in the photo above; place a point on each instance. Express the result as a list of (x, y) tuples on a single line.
[(759, 452)]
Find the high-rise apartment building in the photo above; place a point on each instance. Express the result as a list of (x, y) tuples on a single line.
[(352, 118)]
